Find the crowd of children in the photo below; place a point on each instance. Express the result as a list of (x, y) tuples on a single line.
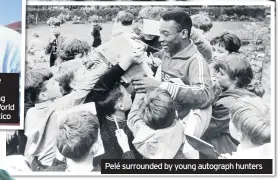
[(80, 111)]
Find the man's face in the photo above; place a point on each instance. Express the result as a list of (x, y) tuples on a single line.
[(170, 37), (55, 29)]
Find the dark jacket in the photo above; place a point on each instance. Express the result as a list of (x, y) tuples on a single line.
[(218, 133)]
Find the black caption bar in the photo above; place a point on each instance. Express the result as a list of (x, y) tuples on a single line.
[(9, 98), (186, 166)]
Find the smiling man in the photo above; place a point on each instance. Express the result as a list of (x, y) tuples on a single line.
[(184, 72)]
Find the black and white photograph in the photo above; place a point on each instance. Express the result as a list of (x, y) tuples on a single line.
[(144, 82)]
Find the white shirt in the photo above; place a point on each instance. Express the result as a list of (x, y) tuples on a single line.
[(10, 50)]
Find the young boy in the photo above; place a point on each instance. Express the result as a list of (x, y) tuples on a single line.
[(56, 43), (73, 49), (78, 141), (112, 108), (123, 23), (250, 125), (153, 122), (202, 23), (96, 33), (41, 134), (234, 76), (224, 44)]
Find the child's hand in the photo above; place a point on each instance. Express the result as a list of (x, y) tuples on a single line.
[(122, 140), (52, 39), (224, 156)]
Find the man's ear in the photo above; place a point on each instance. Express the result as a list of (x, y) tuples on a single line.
[(184, 34), (43, 96)]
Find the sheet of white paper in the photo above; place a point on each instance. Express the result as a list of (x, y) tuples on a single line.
[(151, 27)]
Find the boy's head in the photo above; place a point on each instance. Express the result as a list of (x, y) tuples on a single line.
[(66, 75), (78, 136), (234, 70), (48, 90), (153, 13), (76, 48), (175, 29), (202, 21), (225, 44), (250, 121), (91, 60), (158, 109), (34, 79), (54, 25), (125, 18), (117, 99), (94, 19)]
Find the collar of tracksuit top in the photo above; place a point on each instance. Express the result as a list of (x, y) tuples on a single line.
[(184, 54)]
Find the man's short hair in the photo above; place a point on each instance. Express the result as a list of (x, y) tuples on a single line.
[(77, 134), (157, 109), (125, 18), (107, 101), (53, 22), (181, 18)]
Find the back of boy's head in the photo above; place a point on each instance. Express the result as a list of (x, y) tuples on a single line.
[(237, 67), (202, 21), (157, 109), (53, 22), (251, 117), (77, 134), (125, 18), (230, 41), (107, 102), (152, 13), (34, 82), (75, 47)]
